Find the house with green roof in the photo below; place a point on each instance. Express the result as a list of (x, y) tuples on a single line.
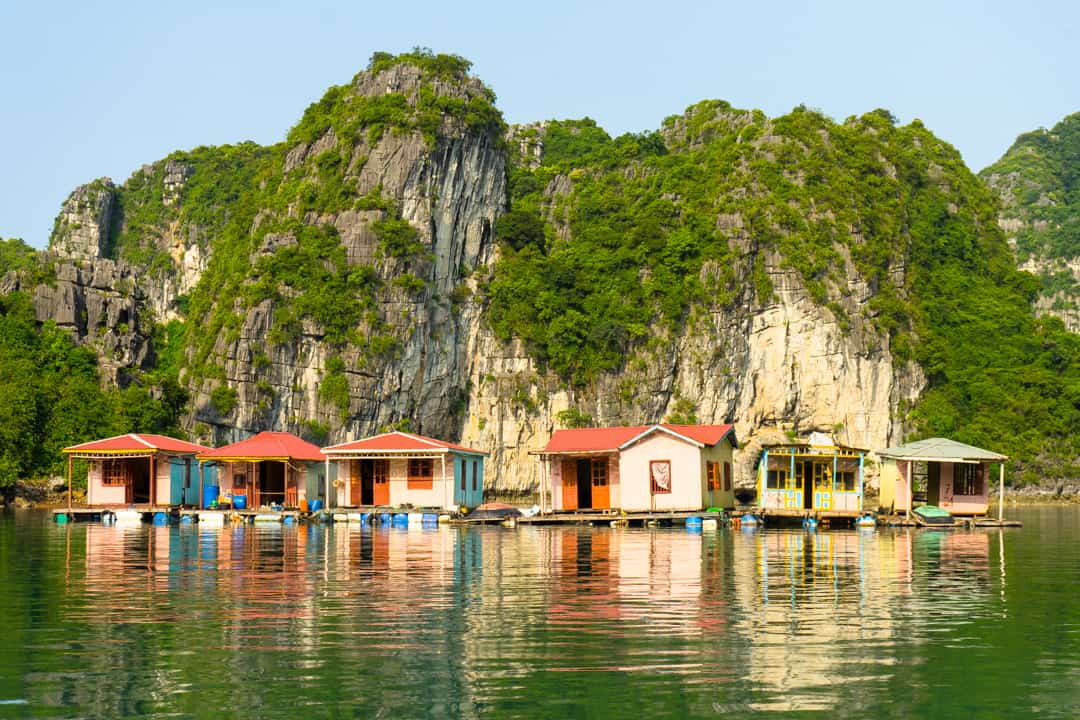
[(957, 477)]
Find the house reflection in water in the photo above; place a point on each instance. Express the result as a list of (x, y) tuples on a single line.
[(805, 598)]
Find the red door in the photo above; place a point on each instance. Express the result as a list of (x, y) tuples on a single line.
[(569, 485), (601, 498), (381, 482), (354, 483)]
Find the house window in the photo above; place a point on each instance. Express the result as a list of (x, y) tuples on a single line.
[(421, 474), (712, 474), (845, 481), (776, 480), (966, 480), (115, 472), (727, 476), (474, 464), (660, 476), (599, 472)]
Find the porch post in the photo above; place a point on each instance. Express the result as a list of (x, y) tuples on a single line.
[(200, 484), (326, 483), (1001, 491), (442, 461), (69, 483), (153, 483), (763, 470)]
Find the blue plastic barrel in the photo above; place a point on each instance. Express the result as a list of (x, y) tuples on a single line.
[(365, 518), (161, 518), (430, 519), (239, 502), (210, 495), (315, 505), (384, 518), (401, 519), (287, 519)]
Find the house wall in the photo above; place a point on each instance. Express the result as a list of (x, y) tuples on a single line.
[(98, 494), (895, 485), (441, 494), (445, 489), (464, 464), (687, 475), (961, 504), (721, 453), (555, 470)]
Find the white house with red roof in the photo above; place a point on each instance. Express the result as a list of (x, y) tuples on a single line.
[(640, 468), (400, 468), (139, 469), (270, 468)]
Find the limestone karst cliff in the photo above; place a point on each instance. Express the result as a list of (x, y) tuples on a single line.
[(1037, 183), (405, 259)]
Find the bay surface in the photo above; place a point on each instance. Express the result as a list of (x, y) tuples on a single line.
[(339, 621)]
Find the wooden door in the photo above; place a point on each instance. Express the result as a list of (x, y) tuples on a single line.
[(569, 485), (823, 481), (381, 481), (601, 497), (354, 483)]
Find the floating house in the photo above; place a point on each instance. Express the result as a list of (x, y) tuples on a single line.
[(269, 469), (815, 476), (643, 468), (399, 468), (139, 469), (956, 476)]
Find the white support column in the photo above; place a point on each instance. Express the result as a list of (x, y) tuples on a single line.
[(1001, 491), (446, 485)]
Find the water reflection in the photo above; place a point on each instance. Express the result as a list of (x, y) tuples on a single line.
[(488, 621)]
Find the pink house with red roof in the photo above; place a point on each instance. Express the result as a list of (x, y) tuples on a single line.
[(642, 468), (139, 469), (399, 468), (271, 468)]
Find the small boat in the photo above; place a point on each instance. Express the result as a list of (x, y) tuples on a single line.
[(494, 511), (866, 521), (932, 516)]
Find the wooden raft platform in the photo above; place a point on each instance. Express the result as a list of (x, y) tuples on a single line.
[(639, 519)]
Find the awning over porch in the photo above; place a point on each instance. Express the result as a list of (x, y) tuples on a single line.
[(940, 450), (267, 445), (395, 444), (133, 445)]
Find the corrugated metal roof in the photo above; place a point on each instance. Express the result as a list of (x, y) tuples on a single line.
[(137, 442), (267, 445), (397, 441), (610, 439), (940, 450)]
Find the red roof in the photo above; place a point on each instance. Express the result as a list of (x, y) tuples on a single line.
[(397, 441), (138, 443), (266, 446), (610, 439)]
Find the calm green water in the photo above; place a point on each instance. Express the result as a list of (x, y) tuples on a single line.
[(317, 621)]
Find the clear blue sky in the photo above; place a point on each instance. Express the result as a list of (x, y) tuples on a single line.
[(99, 89)]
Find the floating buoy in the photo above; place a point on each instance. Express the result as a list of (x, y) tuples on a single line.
[(866, 521), (809, 523), (61, 518)]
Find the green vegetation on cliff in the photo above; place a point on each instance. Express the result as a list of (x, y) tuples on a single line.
[(609, 240), (51, 397)]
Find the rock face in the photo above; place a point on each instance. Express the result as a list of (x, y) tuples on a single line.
[(784, 365), (82, 229), (1035, 182), (450, 192), (424, 353), (99, 302)]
